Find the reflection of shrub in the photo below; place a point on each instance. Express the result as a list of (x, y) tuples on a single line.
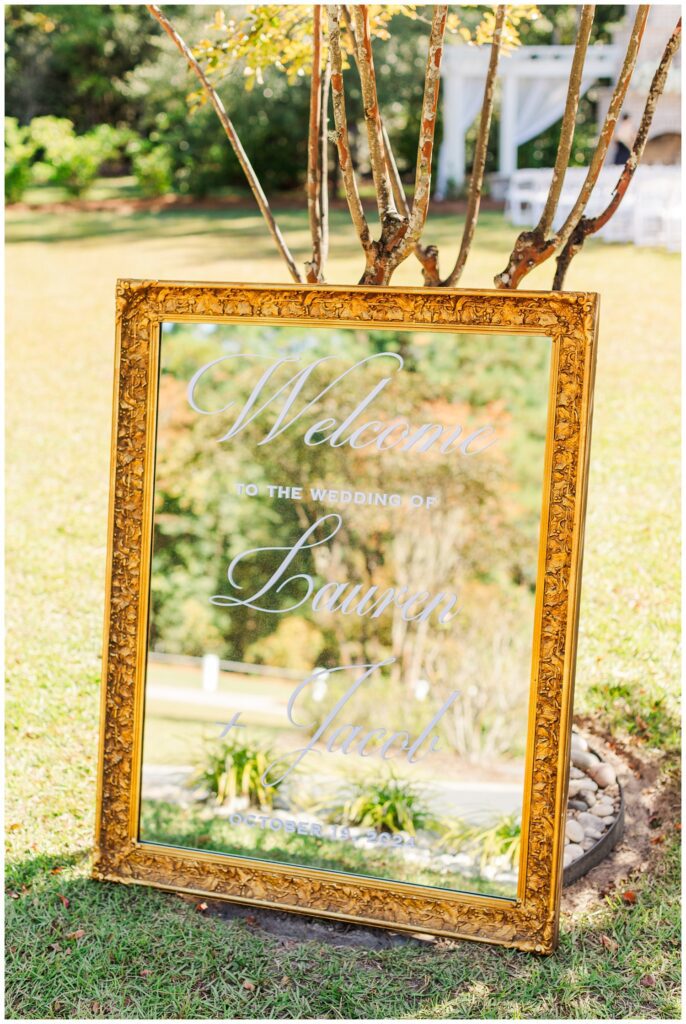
[(235, 770), (501, 838), (295, 643), (490, 670), (316, 702), (186, 627), (388, 805)]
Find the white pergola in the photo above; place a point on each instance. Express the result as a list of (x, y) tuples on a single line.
[(533, 88)]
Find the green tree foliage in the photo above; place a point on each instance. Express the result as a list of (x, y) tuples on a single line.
[(70, 160), (19, 152), (110, 64), (72, 60)]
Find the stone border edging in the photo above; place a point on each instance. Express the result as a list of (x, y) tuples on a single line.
[(602, 848)]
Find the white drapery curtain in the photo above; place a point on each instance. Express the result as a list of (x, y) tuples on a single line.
[(462, 99), (541, 102), (537, 103), (471, 96)]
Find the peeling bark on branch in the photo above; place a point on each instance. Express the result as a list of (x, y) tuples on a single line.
[(314, 176), (324, 161), (395, 244), (590, 225), (427, 132), (233, 138), (479, 165), (529, 250), (426, 254), (402, 223), (568, 122), (342, 137), (392, 224)]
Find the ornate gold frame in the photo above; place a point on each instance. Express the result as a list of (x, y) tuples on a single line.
[(570, 320)]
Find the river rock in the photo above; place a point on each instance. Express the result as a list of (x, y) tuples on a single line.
[(575, 773), (602, 808), (603, 774), (574, 831), (579, 742), (589, 820), (572, 853), (582, 785), (577, 805), (587, 843), (584, 759)]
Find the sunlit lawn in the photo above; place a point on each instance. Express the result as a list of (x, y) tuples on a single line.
[(148, 954)]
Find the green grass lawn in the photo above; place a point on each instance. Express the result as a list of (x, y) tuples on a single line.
[(77, 948)]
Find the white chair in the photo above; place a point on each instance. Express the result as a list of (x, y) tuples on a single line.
[(673, 228)]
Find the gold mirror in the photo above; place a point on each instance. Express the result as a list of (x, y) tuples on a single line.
[(346, 541)]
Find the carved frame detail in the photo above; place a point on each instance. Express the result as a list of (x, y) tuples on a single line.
[(530, 921)]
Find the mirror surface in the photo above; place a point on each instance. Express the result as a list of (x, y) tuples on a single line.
[(343, 584)]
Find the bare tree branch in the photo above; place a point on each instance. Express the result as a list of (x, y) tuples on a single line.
[(394, 175), (342, 138), (608, 129), (529, 251), (314, 153), (393, 225), (324, 160), (564, 148), (590, 225), (427, 132), (233, 138), (391, 165), (479, 165), (426, 254)]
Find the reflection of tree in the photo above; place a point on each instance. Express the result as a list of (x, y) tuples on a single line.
[(470, 544)]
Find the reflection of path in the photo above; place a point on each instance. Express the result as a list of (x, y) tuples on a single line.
[(216, 699), (474, 801), (477, 801)]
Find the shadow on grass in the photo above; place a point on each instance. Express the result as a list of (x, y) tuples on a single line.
[(81, 949), (43, 866), (77, 226), (235, 224)]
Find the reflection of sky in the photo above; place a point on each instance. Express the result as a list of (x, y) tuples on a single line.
[(302, 341), (204, 330)]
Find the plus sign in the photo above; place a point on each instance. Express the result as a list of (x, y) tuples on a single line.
[(234, 723)]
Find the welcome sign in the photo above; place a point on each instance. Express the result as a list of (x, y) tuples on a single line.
[(345, 549)]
